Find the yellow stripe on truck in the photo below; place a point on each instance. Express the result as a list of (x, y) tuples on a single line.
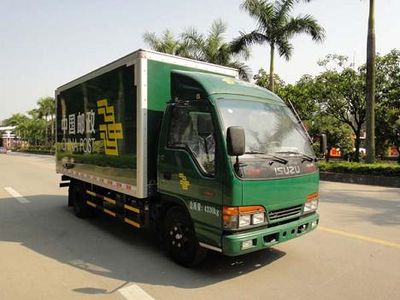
[(129, 221), (91, 193), (111, 213), (91, 204), (112, 201), (134, 209)]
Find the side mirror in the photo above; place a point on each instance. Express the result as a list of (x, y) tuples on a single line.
[(323, 143), (235, 140)]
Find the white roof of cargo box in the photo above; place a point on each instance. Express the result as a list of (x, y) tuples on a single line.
[(151, 55)]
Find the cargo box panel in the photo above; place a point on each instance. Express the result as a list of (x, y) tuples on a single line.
[(96, 128)]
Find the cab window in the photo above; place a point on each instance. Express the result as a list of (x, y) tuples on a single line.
[(193, 130)]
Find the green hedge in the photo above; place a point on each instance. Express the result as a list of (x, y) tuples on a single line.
[(377, 169), (37, 150)]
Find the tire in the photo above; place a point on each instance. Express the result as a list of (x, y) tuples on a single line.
[(77, 196), (180, 239)]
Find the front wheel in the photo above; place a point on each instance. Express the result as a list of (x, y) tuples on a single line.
[(180, 238)]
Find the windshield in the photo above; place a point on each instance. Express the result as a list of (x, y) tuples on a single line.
[(269, 128)]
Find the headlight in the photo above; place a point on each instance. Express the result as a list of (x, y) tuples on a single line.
[(243, 216), (311, 203), (258, 218), (310, 206), (244, 220)]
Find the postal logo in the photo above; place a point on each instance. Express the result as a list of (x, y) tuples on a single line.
[(110, 131), (184, 182)]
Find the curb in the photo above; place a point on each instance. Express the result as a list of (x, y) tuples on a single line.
[(361, 179)]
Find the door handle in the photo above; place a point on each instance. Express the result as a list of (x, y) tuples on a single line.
[(167, 175)]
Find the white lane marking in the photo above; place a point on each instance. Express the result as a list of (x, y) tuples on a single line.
[(16, 195), (134, 292)]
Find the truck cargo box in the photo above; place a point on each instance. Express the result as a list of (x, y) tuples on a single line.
[(108, 121)]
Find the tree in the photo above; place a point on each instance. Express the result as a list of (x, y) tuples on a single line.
[(387, 100), (46, 111), (397, 139), (210, 48), (262, 79), (370, 90), (35, 128), (387, 128), (342, 95), (33, 131), (302, 96), (339, 134), (214, 49), (167, 43), (276, 27), (15, 120)]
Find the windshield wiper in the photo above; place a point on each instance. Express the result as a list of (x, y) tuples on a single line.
[(254, 152), (269, 156), (305, 157)]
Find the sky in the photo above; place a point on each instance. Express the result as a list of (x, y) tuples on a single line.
[(44, 44)]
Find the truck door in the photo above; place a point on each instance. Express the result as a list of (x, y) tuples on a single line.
[(188, 168)]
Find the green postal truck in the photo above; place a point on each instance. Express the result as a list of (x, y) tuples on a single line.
[(186, 148)]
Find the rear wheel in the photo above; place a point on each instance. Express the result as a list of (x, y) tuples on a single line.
[(180, 238), (77, 196)]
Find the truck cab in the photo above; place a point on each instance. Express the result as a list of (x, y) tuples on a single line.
[(238, 164)]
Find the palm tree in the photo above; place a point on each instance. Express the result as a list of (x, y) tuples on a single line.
[(276, 27), (209, 48), (213, 49), (370, 90), (15, 120), (47, 108), (167, 43)]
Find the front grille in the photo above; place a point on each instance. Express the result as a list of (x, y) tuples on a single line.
[(278, 214)]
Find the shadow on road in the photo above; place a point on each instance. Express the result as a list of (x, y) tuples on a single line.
[(109, 248)]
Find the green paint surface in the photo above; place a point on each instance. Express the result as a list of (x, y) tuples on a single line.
[(276, 194), (218, 84)]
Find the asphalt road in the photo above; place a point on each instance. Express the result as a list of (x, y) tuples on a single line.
[(48, 253)]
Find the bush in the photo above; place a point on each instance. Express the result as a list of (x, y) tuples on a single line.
[(48, 150), (377, 169)]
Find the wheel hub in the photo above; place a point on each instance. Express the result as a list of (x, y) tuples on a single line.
[(177, 236)]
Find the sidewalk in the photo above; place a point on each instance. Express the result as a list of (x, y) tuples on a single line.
[(361, 179)]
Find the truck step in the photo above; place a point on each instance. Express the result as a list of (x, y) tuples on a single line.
[(124, 214)]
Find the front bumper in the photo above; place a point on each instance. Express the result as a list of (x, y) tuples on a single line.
[(267, 237)]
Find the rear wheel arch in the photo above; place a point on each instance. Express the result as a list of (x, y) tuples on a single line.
[(77, 199)]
